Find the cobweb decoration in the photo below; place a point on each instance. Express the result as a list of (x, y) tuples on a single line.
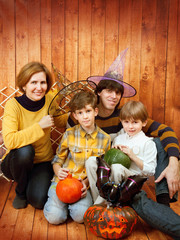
[(60, 103)]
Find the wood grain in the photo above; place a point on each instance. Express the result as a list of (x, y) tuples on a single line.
[(83, 37), (160, 60), (147, 54), (30, 223), (98, 31)]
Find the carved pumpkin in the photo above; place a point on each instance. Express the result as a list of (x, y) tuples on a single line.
[(69, 189), (110, 222)]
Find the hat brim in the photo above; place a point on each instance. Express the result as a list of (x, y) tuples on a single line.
[(60, 102), (129, 91)]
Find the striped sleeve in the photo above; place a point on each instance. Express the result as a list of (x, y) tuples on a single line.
[(166, 134)]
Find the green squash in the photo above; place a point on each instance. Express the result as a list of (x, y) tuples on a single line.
[(114, 155)]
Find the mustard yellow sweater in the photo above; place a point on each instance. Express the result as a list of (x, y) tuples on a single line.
[(20, 128)]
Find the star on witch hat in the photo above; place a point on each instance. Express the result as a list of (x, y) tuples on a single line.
[(115, 73)]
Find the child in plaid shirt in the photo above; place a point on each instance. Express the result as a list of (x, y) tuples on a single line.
[(77, 145)]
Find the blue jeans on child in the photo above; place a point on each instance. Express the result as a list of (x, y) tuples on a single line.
[(56, 212)]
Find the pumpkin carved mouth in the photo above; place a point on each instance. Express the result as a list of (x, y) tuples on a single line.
[(114, 230)]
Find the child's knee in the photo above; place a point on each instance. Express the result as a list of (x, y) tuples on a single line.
[(78, 209), (55, 215), (91, 162), (77, 216)]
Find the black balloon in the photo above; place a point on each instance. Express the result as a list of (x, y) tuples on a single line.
[(116, 193)]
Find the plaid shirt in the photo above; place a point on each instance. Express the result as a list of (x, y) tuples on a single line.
[(77, 146)]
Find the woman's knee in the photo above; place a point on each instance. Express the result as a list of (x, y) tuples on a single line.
[(18, 161), (37, 202), (25, 155), (36, 198), (38, 185)]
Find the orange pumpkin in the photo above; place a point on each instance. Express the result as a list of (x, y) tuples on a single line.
[(110, 222), (68, 190)]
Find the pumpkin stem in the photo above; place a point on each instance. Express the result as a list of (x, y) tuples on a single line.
[(69, 175)]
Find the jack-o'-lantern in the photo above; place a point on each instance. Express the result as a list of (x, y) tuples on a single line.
[(110, 222)]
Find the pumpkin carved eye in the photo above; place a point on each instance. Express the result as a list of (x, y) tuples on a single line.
[(122, 219)]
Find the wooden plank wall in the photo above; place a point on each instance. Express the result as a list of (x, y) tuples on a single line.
[(83, 37)]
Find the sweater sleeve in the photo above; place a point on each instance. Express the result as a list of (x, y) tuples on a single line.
[(12, 136), (166, 134)]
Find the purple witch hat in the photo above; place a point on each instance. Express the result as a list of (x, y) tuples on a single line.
[(115, 73)]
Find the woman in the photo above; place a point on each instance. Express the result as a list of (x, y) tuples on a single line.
[(26, 134)]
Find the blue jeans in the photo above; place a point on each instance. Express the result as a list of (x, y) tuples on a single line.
[(157, 215), (162, 163), (56, 212)]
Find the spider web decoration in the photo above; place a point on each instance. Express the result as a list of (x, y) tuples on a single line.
[(60, 103)]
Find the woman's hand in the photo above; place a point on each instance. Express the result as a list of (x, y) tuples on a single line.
[(46, 122)]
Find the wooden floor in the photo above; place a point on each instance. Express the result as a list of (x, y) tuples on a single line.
[(29, 223)]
